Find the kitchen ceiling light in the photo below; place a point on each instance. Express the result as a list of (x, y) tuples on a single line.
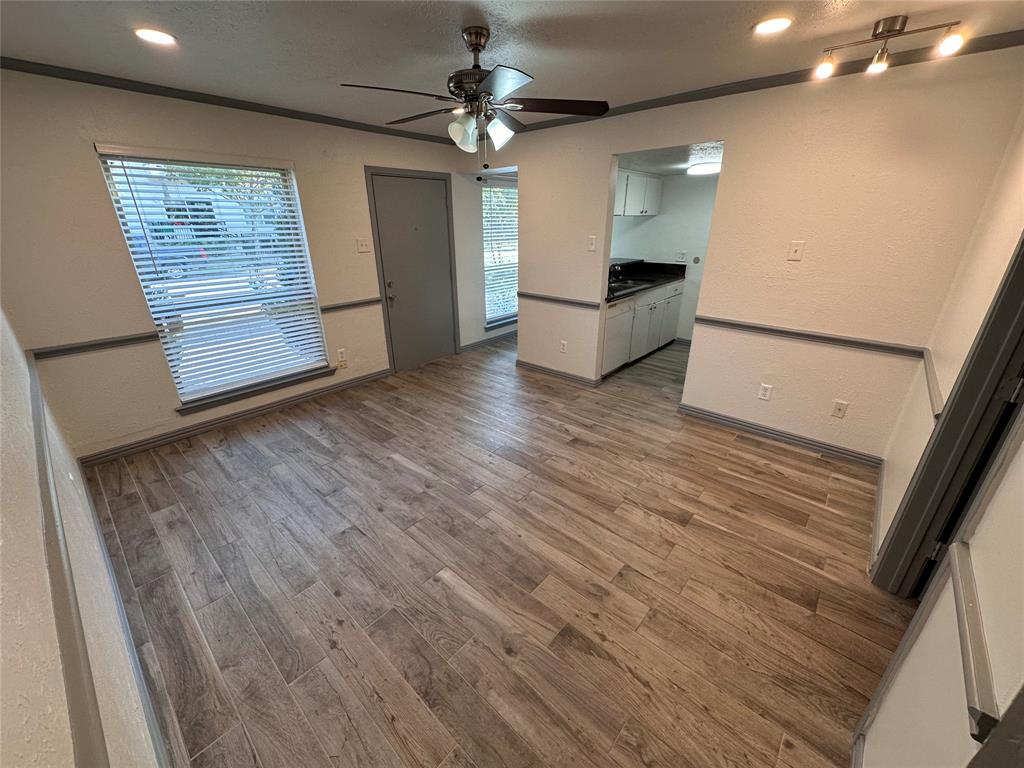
[(772, 26), (155, 36), (825, 68), (880, 62), (499, 133), (885, 30), (464, 132), (704, 169), (950, 43)]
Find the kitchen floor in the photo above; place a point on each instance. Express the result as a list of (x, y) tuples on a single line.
[(471, 564)]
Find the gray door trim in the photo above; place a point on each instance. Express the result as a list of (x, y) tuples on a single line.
[(974, 423), (373, 170)]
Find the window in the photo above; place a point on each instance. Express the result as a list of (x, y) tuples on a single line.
[(501, 254), (221, 254)]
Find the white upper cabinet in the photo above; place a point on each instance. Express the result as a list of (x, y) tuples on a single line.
[(622, 181), (636, 185), (652, 195), (637, 194)]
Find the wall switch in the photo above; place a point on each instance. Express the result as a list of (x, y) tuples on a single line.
[(563, 345), (342, 358), (362, 245), (839, 408), (765, 393), (592, 243), (796, 250)]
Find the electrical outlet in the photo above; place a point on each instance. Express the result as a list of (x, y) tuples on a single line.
[(839, 408), (342, 358), (796, 250), (681, 257), (592, 243), (563, 346), (765, 393), (362, 245)]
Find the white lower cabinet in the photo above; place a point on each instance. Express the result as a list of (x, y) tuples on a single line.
[(641, 326), (618, 335), (670, 320), (657, 310)]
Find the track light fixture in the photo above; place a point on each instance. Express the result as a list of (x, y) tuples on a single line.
[(885, 30)]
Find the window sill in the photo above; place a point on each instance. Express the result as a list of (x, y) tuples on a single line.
[(501, 323), (251, 390)]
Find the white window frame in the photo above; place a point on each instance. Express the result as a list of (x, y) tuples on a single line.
[(491, 323), (275, 378)]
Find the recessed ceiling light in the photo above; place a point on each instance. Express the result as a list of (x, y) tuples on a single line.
[(704, 169), (155, 36), (772, 26)]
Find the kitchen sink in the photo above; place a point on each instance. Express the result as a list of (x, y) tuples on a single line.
[(617, 286)]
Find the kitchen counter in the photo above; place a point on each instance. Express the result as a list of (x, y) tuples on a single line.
[(636, 276)]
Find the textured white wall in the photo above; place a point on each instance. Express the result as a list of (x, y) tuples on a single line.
[(683, 224), (993, 239), (910, 433), (33, 708), (736, 363), (67, 275), (883, 177)]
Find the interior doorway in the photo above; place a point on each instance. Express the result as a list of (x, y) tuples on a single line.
[(663, 204), (410, 213)]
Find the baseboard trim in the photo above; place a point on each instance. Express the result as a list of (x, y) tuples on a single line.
[(827, 449), (560, 374), (486, 342), (876, 526), (194, 429)]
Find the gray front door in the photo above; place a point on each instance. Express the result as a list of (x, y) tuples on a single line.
[(413, 242)]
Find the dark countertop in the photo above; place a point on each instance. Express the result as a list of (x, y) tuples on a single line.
[(637, 275)]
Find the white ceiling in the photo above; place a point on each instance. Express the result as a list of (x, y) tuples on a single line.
[(293, 54)]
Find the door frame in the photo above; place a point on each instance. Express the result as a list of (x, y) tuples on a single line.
[(974, 422), (372, 170)]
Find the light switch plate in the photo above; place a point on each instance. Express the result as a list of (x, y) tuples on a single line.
[(765, 392), (362, 245), (796, 250), (839, 408), (592, 243)]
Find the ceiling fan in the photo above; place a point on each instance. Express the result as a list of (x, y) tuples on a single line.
[(479, 94)]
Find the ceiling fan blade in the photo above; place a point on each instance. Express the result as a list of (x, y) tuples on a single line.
[(399, 90), (420, 116), (502, 81), (508, 121), (558, 106)]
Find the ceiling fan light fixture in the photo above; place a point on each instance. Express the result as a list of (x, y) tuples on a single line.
[(464, 133), (459, 111), (499, 133), (704, 169), (772, 26)]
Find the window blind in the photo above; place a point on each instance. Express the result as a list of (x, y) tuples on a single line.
[(220, 252), (501, 252)]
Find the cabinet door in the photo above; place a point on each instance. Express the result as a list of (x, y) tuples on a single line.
[(654, 329), (641, 325), (635, 190), (652, 195), (670, 319), (618, 332), (621, 182)]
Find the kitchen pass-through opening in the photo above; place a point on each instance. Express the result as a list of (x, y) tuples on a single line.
[(663, 204)]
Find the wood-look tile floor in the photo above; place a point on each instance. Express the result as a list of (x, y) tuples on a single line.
[(475, 565)]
